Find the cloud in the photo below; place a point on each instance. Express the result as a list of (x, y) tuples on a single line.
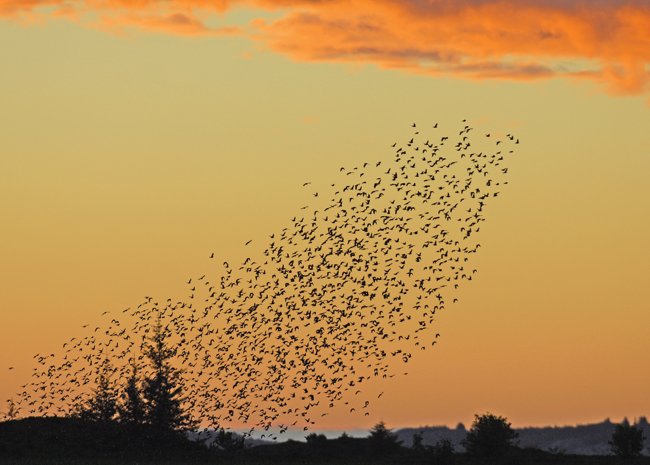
[(175, 23), (607, 41), (13, 7), (476, 40)]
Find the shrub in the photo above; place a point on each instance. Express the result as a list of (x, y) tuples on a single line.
[(489, 436)]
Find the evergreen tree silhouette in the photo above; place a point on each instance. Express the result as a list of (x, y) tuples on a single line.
[(132, 408), (162, 390), (627, 440), (102, 406), (382, 440)]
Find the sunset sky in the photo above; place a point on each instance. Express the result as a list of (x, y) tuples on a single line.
[(140, 136)]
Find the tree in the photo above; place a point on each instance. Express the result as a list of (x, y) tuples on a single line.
[(162, 390), (383, 440), (489, 436), (12, 410), (228, 441), (627, 440), (417, 443), (102, 406), (132, 408), (443, 452), (315, 439)]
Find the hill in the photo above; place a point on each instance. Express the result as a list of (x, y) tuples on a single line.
[(590, 439), (60, 438)]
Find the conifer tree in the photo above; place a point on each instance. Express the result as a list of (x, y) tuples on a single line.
[(132, 408), (163, 388), (627, 440), (383, 440), (102, 406)]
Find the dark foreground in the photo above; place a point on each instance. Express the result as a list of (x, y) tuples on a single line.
[(66, 441)]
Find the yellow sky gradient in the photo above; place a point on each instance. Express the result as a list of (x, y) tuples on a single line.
[(125, 160)]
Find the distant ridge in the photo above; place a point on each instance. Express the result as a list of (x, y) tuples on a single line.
[(589, 439)]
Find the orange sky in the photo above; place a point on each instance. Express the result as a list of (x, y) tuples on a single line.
[(141, 136)]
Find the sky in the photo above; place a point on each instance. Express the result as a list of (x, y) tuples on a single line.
[(138, 137)]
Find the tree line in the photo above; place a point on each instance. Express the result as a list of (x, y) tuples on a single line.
[(490, 437)]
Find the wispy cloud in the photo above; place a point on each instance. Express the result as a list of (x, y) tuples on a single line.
[(173, 23), (601, 40)]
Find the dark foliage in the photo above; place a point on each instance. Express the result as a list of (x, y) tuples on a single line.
[(162, 391), (228, 441), (132, 408), (627, 440), (102, 406), (382, 440), (314, 439), (57, 438), (443, 452), (72, 441), (417, 441), (490, 436)]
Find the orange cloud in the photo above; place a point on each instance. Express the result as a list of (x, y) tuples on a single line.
[(603, 40), (175, 23), (13, 7), (489, 39)]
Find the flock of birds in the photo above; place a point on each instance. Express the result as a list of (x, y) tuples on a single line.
[(345, 294)]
